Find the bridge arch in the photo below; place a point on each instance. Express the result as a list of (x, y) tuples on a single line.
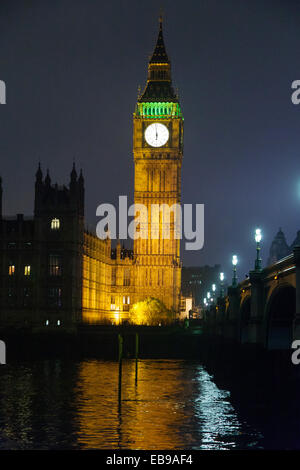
[(280, 313)]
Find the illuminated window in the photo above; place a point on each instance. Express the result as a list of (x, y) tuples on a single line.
[(27, 270), (55, 224), (11, 269), (126, 302), (55, 265), (113, 303)]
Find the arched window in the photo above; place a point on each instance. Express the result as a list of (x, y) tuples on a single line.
[(55, 224), (27, 270), (11, 269)]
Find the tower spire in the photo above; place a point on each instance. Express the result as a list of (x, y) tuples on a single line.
[(160, 55), (159, 83)]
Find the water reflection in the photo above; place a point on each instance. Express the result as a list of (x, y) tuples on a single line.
[(60, 404), (36, 405), (220, 426), (153, 413)]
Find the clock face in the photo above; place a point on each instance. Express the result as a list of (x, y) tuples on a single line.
[(157, 134)]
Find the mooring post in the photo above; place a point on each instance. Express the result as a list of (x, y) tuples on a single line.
[(120, 338), (136, 356)]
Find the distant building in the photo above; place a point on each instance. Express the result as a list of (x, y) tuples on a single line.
[(296, 242), (279, 247), (196, 281), (186, 307)]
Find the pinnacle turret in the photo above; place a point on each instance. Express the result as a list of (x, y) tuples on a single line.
[(73, 174), (39, 174), (48, 179)]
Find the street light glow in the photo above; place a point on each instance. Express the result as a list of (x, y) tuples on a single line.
[(213, 287), (234, 260), (221, 277), (258, 235), (208, 295)]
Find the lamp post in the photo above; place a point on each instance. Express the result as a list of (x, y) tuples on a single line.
[(204, 308), (221, 283), (258, 237), (213, 288), (234, 263)]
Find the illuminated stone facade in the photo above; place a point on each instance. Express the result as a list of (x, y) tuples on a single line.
[(41, 257), (112, 283), (158, 181), (54, 272)]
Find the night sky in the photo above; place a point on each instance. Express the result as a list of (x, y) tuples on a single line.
[(72, 69)]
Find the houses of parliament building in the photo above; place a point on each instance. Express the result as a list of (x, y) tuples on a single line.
[(55, 272)]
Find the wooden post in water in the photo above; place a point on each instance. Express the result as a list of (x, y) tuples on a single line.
[(136, 356), (120, 338)]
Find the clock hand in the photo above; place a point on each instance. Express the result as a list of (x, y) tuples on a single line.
[(156, 131)]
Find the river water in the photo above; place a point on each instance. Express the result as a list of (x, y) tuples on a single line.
[(59, 404)]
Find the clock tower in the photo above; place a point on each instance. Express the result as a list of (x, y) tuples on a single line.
[(158, 151)]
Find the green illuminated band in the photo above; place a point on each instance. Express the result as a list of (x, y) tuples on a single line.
[(158, 110)]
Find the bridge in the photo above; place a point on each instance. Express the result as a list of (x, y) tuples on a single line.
[(264, 309)]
